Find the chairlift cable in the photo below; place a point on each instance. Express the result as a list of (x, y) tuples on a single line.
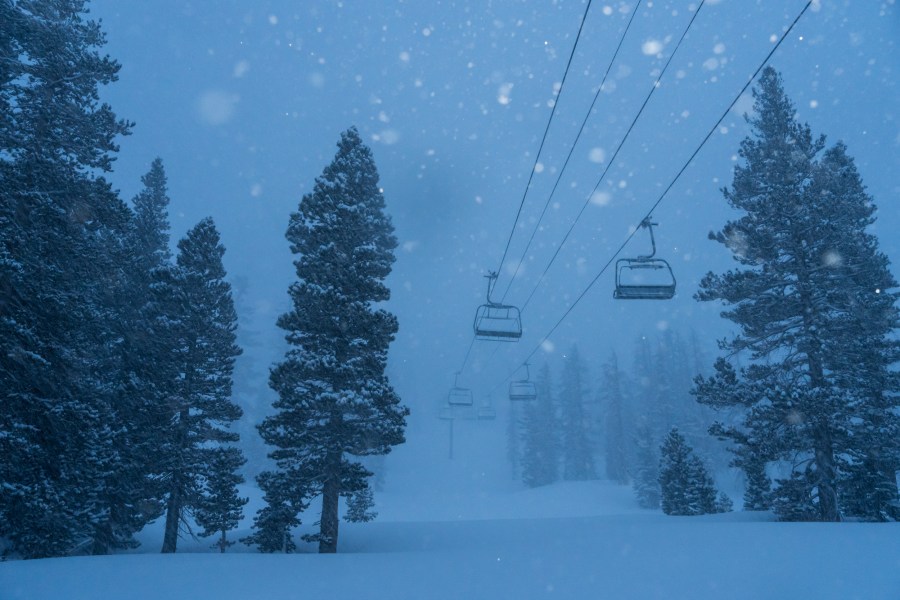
[(662, 196), (572, 149), (544, 138), (615, 154)]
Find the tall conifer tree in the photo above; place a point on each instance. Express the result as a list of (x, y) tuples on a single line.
[(61, 238), (816, 313), (335, 402), (577, 450), (200, 321), (540, 438), (613, 401)]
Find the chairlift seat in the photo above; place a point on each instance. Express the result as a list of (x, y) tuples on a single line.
[(486, 413), (522, 391), (498, 322), (644, 279), (460, 397)]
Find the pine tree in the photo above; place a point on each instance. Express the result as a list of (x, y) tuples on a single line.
[(514, 440), (201, 322), (61, 235), (702, 489), (540, 442), (646, 476), (816, 314), (675, 475), (219, 508), (360, 506), (616, 455), (140, 421), (685, 485), (335, 401), (577, 453)]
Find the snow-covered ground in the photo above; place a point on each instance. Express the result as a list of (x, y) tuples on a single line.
[(584, 540)]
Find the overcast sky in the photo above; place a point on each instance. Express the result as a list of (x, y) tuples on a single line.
[(245, 100)]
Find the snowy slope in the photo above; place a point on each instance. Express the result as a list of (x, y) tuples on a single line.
[(503, 550)]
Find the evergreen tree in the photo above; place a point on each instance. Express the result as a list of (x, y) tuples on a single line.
[(61, 235), (140, 420), (219, 508), (616, 454), (816, 314), (675, 475), (360, 506), (646, 476), (685, 485), (201, 322), (540, 445), (335, 401), (577, 454), (514, 440), (703, 495)]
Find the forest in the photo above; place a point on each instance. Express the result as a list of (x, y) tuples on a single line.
[(117, 367)]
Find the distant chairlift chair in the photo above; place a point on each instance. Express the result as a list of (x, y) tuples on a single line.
[(644, 277), (523, 389), (497, 322)]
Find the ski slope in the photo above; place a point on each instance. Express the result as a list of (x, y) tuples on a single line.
[(573, 540)]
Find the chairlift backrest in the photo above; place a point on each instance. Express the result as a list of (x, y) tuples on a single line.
[(498, 322), (522, 390)]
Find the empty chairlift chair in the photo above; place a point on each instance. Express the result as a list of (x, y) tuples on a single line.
[(522, 390), (644, 277), (486, 412), (459, 396), (495, 321)]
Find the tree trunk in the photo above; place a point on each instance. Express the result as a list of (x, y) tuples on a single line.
[(328, 528), (828, 501), (173, 516)]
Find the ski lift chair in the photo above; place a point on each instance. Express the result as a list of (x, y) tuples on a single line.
[(486, 412), (497, 322), (644, 277), (459, 396), (523, 389)]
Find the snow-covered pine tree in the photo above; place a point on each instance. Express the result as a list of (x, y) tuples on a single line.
[(646, 475), (335, 401), (816, 313), (685, 484), (613, 402), (140, 422), (702, 489), (577, 451), (58, 218), (220, 507), (200, 328), (360, 506), (676, 473), (540, 441), (514, 440)]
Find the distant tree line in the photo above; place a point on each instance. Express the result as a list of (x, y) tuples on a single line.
[(615, 428)]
